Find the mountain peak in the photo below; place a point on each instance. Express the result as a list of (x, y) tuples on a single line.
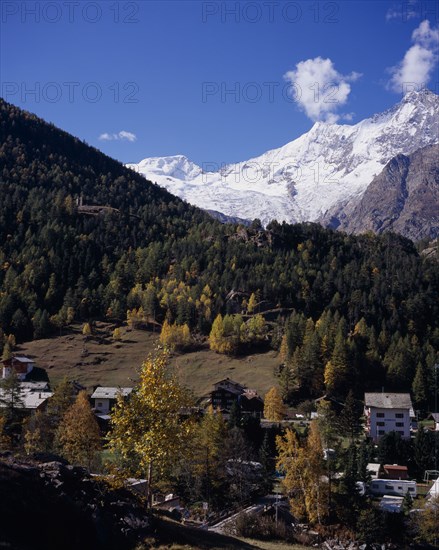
[(330, 165)]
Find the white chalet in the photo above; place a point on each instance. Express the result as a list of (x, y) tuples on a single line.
[(33, 396), (387, 412), (19, 365), (104, 398)]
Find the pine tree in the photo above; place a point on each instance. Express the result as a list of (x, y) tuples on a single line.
[(11, 400), (78, 436), (337, 369), (235, 416), (423, 452), (274, 408), (420, 387), (208, 454), (267, 462), (349, 420)]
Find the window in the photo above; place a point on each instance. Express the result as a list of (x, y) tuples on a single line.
[(99, 404), (381, 432), (412, 489), (380, 423), (399, 415), (380, 415), (400, 424), (387, 486)]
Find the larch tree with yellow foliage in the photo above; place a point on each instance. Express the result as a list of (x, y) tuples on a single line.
[(292, 463), (274, 408), (147, 432), (175, 337), (78, 436), (304, 469)]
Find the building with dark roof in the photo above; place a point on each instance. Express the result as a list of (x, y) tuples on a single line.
[(227, 391)]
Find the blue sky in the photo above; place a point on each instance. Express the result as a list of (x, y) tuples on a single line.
[(216, 81)]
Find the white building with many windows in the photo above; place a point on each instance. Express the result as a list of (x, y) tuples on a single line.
[(387, 412)]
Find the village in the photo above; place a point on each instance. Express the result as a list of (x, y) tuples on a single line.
[(390, 486)]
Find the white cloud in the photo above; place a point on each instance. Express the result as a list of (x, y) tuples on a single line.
[(122, 135), (404, 11), (415, 70), (319, 89), (426, 36)]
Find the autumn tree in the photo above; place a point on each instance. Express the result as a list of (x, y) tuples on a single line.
[(252, 303), (425, 523), (274, 408), (304, 469), (40, 429), (147, 434), (117, 335), (292, 463), (77, 436), (5, 440), (317, 494), (37, 434), (175, 337), (86, 330)]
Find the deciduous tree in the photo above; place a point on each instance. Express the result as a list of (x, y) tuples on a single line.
[(78, 436), (147, 433), (274, 408)]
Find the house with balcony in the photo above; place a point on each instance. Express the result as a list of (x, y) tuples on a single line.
[(388, 412), (226, 392)]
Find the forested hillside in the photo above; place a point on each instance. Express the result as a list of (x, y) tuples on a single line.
[(340, 308)]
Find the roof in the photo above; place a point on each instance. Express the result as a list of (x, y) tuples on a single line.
[(251, 394), (31, 396), (36, 386), (23, 359), (395, 467), (390, 503), (102, 392), (373, 467), (230, 385), (434, 416), (388, 400)]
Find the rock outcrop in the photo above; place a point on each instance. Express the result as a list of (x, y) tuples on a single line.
[(52, 505)]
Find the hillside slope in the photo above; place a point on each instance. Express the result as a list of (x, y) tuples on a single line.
[(84, 239), (404, 198)]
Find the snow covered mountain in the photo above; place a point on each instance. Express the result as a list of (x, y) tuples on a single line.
[(323, 170)]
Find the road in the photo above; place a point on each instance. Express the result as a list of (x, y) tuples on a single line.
[(259, 506)]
